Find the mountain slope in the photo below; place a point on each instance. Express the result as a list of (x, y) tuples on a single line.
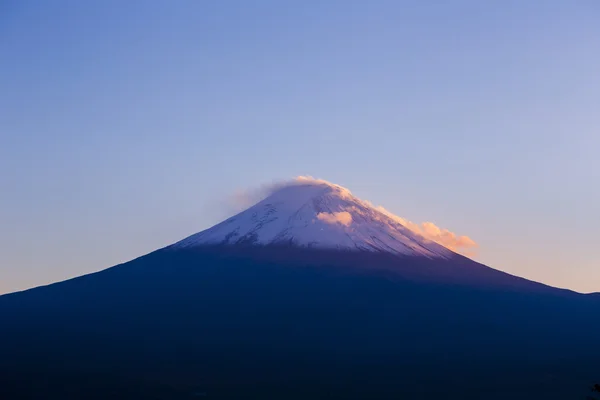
[(247, 322)]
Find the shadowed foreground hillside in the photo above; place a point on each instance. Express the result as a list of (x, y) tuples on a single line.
[(290, 323)]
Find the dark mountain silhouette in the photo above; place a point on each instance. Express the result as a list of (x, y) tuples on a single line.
[(248, 322)]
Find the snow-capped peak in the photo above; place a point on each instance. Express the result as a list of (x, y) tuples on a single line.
[(314, 213)]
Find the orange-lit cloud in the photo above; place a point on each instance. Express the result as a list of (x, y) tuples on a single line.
[(430, 231), (343, 217)]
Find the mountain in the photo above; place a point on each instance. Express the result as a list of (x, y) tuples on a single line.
[(311, 293), (317, 214)]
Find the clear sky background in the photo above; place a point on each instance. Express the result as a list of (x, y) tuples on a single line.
[(127, 125)]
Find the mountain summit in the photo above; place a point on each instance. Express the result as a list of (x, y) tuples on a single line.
[(318, 214)]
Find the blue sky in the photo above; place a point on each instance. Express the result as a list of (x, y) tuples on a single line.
[(125, 126)]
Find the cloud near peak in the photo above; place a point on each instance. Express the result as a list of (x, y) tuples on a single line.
[(430, 231), (343, 217)]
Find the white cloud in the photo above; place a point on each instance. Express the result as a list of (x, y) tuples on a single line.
[(343, 217)]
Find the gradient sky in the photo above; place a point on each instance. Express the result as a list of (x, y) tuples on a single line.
[(127, 125)]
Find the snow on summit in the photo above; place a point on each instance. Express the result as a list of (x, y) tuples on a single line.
[(310, 212)]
